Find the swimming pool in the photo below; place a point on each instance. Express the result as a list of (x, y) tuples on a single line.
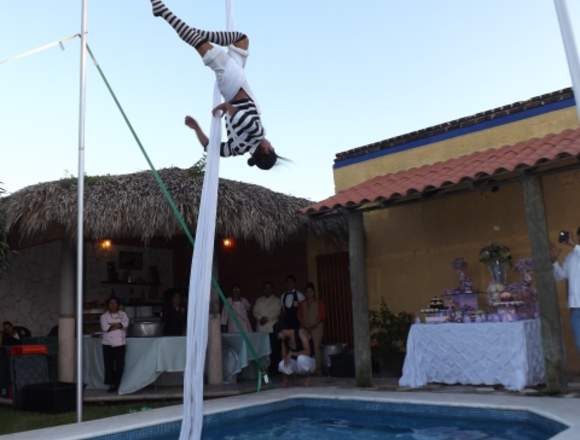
[(316, 418)]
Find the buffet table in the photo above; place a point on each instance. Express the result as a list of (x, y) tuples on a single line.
[(506, 353), (147, 358)]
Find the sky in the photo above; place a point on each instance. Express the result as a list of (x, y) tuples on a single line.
[(330, 75)]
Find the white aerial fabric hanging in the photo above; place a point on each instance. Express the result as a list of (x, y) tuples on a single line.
[(200, 279)]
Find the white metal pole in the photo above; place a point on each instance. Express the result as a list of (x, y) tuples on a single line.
[(570, 48), (80, 205)]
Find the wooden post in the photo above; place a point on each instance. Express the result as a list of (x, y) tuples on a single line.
[(545, 282), (360, 303)]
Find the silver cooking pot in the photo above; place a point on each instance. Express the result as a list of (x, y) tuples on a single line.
[(145, 328), (329, 350)]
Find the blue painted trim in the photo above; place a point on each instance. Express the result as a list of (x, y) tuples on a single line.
[(570, 102)]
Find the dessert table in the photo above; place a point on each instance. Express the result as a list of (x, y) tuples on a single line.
[(504, 353), (147, 358)]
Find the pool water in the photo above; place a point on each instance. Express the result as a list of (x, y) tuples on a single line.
[(317, 419)]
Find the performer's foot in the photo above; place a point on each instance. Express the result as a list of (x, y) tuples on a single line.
[(158, 7)]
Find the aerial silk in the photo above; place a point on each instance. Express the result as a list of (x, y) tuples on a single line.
[(200, 279)]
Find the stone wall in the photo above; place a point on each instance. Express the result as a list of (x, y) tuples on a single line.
[(29, 291)]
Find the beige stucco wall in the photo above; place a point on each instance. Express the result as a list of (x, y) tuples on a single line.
[(536, 126), (409, 248)]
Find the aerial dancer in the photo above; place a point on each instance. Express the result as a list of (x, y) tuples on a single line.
[(243, 124)]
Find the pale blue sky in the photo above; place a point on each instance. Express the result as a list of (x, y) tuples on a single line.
[(330, 75)]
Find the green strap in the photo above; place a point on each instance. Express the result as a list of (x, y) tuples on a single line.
[(179, 217)]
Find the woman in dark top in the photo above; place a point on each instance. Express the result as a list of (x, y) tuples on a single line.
[(175, 316)]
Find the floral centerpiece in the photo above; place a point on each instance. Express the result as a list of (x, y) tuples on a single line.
[(496, 257), (524, 289)]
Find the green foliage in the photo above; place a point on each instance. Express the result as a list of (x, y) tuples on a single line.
[(389, 331), (495, 252), (198, 168)]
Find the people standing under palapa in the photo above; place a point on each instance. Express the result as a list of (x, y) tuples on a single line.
[(241, 307), (290, 301), (114, 323), (267, 312), (312, 314), (175, 315)]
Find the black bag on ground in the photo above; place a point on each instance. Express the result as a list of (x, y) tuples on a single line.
[(55, 397), (341, 365)]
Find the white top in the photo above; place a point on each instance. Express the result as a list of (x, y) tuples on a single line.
[(267, 307), (288, 298), (570, 271), (114, 338)]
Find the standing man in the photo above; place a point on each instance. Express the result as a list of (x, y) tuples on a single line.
[(291, 300), (114, 323), (267, 309), (570, 270), (267, 312), (241, 307)]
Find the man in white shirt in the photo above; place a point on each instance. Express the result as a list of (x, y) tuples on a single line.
[(570, 270), (114, 323), (267, 310)]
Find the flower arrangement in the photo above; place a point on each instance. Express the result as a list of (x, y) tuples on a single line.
[(495, 252), (524, 265), (459, 263)]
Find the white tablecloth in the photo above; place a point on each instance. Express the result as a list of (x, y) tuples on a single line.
[(509, 354), (147, 358)]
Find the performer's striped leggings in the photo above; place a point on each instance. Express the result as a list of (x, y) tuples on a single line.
[(192, 36)]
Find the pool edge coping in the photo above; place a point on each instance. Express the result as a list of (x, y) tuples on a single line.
[(153, 417)]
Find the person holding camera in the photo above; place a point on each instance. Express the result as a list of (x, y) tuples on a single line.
[(570, 270)]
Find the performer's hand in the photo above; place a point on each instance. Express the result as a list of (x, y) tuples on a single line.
[(191, 123), (554, 252), (222, 108)]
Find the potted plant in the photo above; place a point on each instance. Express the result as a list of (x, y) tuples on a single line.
[(389, 333)]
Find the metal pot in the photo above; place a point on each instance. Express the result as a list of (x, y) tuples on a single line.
[(327, 351), (146, 328)]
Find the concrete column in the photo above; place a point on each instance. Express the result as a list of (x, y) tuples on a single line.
[(545, 283), (215, 374), (360, 302), (66, 322)]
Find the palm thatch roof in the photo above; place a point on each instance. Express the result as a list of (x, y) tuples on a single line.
[(132, 206)]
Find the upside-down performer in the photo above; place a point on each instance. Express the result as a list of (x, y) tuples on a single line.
[(244, 126)]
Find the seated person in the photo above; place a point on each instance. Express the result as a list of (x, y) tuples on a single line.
[(10, 335), (297, 354)]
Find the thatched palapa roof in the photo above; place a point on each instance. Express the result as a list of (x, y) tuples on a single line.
[(132, 206)]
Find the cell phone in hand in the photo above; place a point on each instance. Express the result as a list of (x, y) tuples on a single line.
[(564, 237)]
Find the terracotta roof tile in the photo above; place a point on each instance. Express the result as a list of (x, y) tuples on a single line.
[(469, 167)]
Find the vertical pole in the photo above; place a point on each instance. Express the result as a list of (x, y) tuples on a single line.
[(545, 283), (570, 48), (360, 301), (80, 206)]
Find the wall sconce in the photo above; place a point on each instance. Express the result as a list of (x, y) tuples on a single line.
[(105, 245), (228, 244)]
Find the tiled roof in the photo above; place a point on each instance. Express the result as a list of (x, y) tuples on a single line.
[(467, 121), (469, 167)]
